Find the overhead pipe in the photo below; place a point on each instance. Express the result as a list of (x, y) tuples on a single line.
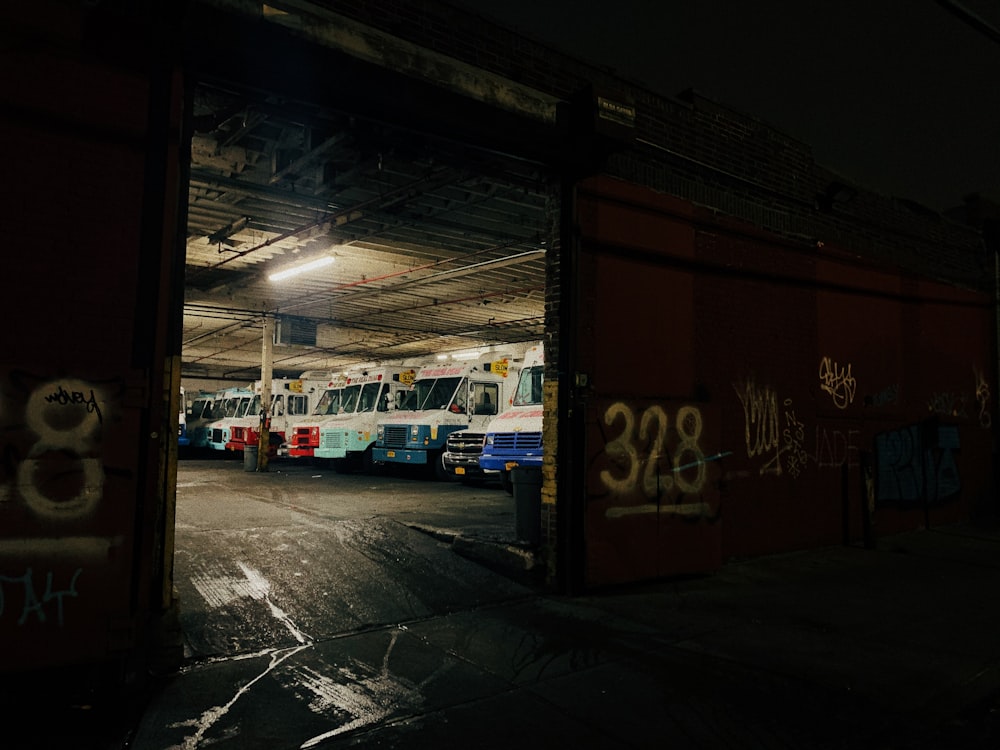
[(442, 276), (441, 177)]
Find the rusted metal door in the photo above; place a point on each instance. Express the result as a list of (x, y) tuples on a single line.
[(652, 446), (88, 386)]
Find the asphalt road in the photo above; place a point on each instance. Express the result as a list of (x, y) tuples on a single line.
[(220, 494), (318, 612), (339, 546)]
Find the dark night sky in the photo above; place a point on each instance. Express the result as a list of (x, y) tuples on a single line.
[(899, 96)]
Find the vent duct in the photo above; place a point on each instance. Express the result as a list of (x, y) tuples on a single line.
[(290, 331)]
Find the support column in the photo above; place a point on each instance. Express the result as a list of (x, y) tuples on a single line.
[(266, 368)]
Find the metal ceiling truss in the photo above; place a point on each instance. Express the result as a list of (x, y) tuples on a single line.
[(437, 246)]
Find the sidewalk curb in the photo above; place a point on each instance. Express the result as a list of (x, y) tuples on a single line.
[(514, 558)]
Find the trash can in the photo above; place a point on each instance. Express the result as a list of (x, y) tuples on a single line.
[(250, 458), (527, 482)]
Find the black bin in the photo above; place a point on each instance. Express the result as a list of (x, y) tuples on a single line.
[(527, 482), (250, 457)]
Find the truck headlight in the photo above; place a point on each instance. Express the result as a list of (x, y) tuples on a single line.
[(414, 431)]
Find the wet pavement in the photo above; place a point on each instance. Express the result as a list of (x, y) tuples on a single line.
[(310, 628)]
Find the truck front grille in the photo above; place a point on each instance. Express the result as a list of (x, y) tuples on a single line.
[(395, 435)]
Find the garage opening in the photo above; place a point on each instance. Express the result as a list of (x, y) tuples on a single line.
[(339, 261)]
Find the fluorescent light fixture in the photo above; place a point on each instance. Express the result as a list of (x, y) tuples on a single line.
[(442, 356), (465, 355), (305, 267)]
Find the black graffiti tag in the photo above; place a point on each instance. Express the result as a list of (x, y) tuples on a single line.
[(67, 398)]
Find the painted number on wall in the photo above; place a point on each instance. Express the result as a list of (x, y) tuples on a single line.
[(62, 475), (649, 456)]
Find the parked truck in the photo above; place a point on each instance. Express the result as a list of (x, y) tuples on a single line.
[(302, 435), (291, 399), (461, 457), (348, 438), (230, 404), (443, 399), (514, 437), (183, 441), (198, 414)]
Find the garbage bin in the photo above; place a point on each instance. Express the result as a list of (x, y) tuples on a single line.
[(527, 482), (250, 458)]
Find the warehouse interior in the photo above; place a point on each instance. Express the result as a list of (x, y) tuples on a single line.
[(420, 244)]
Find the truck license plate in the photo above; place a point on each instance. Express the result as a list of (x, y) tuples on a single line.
[(459, 470), (510, 465), (390, 454)]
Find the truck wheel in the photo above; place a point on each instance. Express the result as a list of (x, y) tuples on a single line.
[(367, 463), (440, 473)]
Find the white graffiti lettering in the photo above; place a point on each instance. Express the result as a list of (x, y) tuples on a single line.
[(787, 451), (834, 448), (60, 474), (761, 423), (793, 439), (622, 451), (983, 399), (657, 459), (837, 381), (652, 481)]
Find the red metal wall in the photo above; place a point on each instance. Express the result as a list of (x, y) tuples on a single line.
[(747, 395), (85, 379)]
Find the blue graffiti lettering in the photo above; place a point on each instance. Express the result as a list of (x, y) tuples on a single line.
[(33, 604)]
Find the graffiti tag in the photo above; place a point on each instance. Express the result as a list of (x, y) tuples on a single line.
[(35, 604), (983, 399), (949, 404), (917, 464), (837, 381), (66, 398), (793, 442)]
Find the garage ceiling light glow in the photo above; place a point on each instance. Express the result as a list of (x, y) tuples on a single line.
[(304, 268)]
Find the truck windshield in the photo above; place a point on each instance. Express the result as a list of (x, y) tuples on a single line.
[(243, 406), (369, 397), (349, 401), (329, 402), (529, 387), (230, 406), (200, 409), (435, 393)]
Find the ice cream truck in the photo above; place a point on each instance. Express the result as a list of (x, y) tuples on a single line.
[(302, 435), (230, 404), (444, 398), (349, 437), (196, 417), (291, 399), (183, 441), (514, 438)]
